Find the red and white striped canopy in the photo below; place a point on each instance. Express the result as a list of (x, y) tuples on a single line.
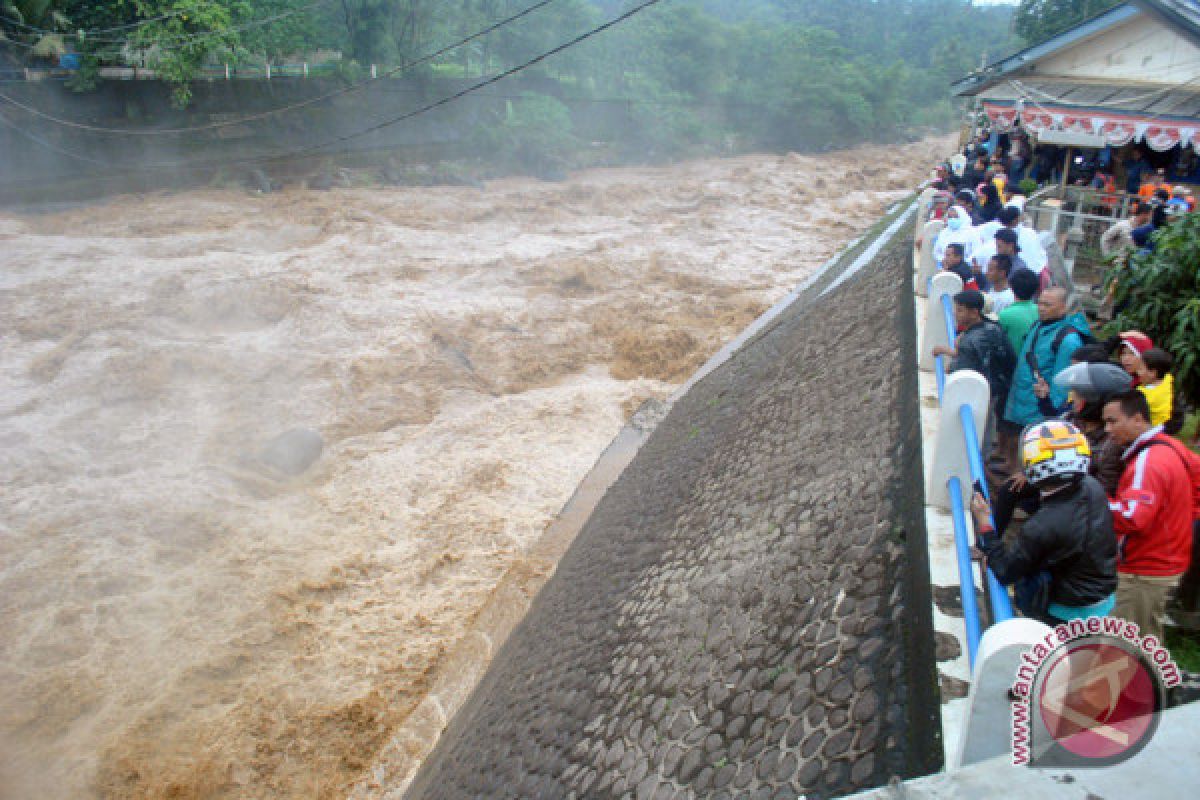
[(1117, 128)]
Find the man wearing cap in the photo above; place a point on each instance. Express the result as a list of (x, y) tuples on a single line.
[(1154, 511), (1007, 244), (1033, 255)]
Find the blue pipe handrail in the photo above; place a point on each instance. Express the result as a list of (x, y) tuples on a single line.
[(966, 574), (997, 594), (1000, 604)]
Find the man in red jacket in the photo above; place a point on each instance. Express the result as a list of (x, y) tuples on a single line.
[(1156, 504)]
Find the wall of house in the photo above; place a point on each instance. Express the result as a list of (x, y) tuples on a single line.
[(1142, 50)]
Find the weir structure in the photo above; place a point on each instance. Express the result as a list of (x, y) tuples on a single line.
[(746, 612)]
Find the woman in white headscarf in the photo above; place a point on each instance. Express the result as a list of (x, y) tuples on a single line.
[(958, 230)]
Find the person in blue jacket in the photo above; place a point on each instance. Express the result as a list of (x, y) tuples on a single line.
[(1047, 351)]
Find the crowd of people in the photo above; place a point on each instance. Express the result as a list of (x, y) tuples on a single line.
[(1081, 445)]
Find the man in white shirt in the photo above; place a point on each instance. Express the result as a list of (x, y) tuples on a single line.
[(1028, 244), (1000, 296), (1119, 237)]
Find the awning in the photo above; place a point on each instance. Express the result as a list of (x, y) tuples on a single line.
[(1160, 118), (1117, 129)]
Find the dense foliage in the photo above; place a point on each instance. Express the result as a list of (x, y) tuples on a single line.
[(1037, 20), (1161, 294), (693, 73)]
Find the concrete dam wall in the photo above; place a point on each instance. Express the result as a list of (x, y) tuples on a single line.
[(746, 613)]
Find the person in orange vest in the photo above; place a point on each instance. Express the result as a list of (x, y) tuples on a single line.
[(1152, 182)]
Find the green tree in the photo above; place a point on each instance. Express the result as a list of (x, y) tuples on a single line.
[(1037, 20), (39, 23), (533, 133), (1161, 295), (181, 37)]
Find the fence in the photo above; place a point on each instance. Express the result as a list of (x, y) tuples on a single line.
[(212, 72), (958, 458), (995, 642)]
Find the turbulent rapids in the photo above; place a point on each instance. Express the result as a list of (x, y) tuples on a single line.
[(180, 618)]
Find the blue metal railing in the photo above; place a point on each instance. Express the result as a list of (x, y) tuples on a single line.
[(966, 574), (997, 594), (1000, 605)]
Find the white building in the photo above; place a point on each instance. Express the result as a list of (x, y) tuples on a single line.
[(1129, 75)]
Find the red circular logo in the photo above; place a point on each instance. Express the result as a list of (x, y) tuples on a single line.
[(1098, 699)]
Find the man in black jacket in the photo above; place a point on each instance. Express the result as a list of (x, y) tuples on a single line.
[(982, 346), (1067, 551)]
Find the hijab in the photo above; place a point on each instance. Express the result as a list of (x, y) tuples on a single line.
[(990, 208), (958, 230)]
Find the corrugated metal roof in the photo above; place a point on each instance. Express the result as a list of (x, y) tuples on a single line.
[(1172, 103), (1181, 15), (973, 83)]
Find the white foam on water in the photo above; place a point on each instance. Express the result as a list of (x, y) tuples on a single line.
[(177, 619)]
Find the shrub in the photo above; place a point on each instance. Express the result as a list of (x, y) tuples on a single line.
[(534, 133), (1160, 292)]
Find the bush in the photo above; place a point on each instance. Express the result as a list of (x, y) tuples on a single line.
[(534, 133), (1027, 186), (1160, 292)]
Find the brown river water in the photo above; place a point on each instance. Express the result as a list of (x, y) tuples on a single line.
[(177, 618)]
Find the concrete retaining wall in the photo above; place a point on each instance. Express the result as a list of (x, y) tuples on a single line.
[(746, 613)]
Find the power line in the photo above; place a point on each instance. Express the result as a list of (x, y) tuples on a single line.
[(49, 145), (185, 37), (127, 26), (476, 86), (179, 40), (200, 35), (403, 117), (283, 109)]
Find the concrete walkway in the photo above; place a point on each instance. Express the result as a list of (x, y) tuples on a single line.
[(1168, 769)]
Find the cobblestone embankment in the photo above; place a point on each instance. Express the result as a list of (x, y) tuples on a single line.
[(746, 613)]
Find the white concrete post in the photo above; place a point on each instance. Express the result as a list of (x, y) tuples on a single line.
[(924, 204), (987, 729), (965, 387), (268, 70), (374, 72), (926, 263), (226, 72), (306, 69), (935, 322)]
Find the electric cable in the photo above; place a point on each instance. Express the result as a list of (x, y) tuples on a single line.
[(127, 26), (283, 109), (198, 35), (264, 159)]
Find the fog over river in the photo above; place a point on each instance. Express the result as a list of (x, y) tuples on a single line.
[(178, 618)]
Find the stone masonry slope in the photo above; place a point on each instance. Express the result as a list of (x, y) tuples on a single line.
[(746, 612)]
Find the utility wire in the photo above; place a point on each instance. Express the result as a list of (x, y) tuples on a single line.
[(395, 120), (201, 35), (127, 26), (49, 145), (283, 109), (640, 7), (198, 35), (180, 39)]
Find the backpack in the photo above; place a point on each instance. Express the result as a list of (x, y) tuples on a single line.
[(1179, 412), (1084, 336), (1066, 330), (1171, 445)]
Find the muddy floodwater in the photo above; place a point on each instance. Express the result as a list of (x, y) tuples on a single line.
[(182, 615)]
